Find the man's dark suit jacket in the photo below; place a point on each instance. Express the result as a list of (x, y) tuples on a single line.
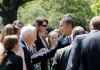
[(27, 54), (65, 41), (61, 58), (75, 55), (74, 58), (12, 62), (90, 52)]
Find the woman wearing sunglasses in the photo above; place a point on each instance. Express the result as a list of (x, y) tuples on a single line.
[(41, 43)]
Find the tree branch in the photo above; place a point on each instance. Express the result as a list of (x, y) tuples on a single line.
[(1, 14), (1, 6)]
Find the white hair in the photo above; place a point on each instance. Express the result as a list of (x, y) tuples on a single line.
[(53, 33), (27, 31)]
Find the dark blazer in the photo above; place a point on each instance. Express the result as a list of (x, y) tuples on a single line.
[(65, 41), (12, 62), (27, 54), (75, 55), (74, 58), (90, 52), (61, 58)]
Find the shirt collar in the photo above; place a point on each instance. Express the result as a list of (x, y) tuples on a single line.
[(92, 31)]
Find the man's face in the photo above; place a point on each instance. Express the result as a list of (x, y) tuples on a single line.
[(90, 27), (65, 29), (30, 39)]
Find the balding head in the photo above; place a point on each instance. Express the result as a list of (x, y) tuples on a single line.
[(95, 21)]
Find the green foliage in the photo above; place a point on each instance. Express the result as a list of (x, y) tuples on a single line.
[(1, 1), (54, 10), (29, 11), (96, 7)]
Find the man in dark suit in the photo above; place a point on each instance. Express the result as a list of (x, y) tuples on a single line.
[(62, 55), (90, 52), (74, 58), (65, 27), (85, 49)]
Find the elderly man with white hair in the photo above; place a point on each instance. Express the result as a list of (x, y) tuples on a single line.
[(27, 38)]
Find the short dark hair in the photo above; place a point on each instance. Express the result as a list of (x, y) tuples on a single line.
[(68, 20)]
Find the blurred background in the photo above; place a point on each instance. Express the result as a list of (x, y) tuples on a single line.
[(28, 10)]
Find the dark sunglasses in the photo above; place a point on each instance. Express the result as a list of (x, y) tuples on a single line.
[(44, 25)]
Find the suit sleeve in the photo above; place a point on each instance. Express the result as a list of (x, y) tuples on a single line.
[(74, 58), (56, 61), (46, 55)]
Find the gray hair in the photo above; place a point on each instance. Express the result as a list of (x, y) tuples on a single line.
[(78, 30), (28, 30)]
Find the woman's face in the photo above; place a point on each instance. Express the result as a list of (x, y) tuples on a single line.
[(43, 27), (54, 38)]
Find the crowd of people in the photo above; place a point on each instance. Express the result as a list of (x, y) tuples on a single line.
[(32, 47)]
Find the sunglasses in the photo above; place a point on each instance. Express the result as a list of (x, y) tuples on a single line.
[(44, 25)]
